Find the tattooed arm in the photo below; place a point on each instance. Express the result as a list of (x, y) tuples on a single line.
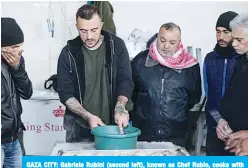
[(121, 104), (74, 106), (121, 114)]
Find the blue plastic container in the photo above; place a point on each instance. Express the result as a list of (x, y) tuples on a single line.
[(109, 137)]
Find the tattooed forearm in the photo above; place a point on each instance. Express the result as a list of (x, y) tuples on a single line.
[(122, 100), (74, 106), (120, 105)]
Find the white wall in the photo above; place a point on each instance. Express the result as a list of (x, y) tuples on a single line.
[(41, 51), (196, 19)]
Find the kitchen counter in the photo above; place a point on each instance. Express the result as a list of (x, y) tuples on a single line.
[(143, 149)]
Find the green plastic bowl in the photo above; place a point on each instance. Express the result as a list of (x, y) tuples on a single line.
[(109, 137)]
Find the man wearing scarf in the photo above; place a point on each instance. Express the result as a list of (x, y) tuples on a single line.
[(167, 84), (217, 70)]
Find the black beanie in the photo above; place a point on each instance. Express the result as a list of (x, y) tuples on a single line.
[(11, 32), (225, 18)]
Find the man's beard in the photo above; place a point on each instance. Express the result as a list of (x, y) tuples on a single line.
[(166, 54), (85, 43), (169, 54), (228, 44)]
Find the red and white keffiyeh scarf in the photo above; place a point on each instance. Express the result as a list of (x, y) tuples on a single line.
[(180, 60)]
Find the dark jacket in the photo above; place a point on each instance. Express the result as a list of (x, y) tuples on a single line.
[(106, 12), (15, 85), (149, 42), (234, 105), (71, 74), (217, 71), (162, 98)]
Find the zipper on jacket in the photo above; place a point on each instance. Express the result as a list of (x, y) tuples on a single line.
[(162, 89), (224, 78), (161, 97), (15, 117), (112, 48), (161, 93), (80, 94)]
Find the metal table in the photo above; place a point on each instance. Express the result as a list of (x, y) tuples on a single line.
[(143, 149)]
